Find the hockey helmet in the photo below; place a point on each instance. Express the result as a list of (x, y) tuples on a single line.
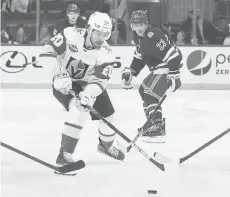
[(101, 22), (73, 8), (139, 17)]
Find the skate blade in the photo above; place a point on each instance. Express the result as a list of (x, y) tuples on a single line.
[(65, 174), (70, 169), (156, 140)]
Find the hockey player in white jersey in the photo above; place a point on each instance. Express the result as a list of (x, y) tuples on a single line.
[(83, 63)]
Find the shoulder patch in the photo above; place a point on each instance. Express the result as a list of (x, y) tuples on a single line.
[(150, 34)]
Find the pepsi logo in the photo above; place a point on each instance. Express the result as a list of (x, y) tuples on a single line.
[(199, 62)]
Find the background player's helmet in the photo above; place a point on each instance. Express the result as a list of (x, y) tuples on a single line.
[(139, 17), (73, 8), (101, 22)]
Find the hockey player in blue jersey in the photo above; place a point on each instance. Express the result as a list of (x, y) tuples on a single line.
[(159, 53)]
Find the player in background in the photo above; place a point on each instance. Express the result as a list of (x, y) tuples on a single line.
[(83, 62), (73, 19), (154, 49)]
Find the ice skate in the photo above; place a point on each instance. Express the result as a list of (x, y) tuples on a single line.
[(155, 132), (108, 149), (65, 158)]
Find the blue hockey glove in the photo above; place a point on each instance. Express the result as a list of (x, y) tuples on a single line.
[(174, 81)]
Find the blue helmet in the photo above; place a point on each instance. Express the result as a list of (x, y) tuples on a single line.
[(73, 8), (139, 16)]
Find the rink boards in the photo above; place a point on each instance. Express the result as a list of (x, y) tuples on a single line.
[(206, 67)]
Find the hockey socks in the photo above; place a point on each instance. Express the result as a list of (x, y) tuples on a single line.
[(70, 136), (68, 143)]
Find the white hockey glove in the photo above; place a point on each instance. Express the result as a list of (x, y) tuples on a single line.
[(62, 81), (85, 100), (174, 81), (126, 77)]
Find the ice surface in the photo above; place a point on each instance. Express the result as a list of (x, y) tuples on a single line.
[(31, 120)]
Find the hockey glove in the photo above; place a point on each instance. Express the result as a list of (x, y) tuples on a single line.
[(85, 100), (62, 81), (174, 81), (126, 77)]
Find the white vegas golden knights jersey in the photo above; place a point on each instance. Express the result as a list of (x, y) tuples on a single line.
[(83, 65)]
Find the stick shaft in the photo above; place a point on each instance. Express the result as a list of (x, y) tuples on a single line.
[(29, 156), (159, 165), (183, 159), (147, 122)]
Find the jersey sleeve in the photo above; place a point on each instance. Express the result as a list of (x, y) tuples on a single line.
[(102, 74), (137, 63), (56, 29), (103, 70), (158, 45), (56, 46), (59, 27), (58, 43), (53, 49)]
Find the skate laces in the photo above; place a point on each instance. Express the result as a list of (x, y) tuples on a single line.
[(113, 151), (68, 157), (155, 127)]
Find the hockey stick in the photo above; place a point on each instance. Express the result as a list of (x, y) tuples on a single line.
[(163, 158), (64, 169), (141, 130), (159, 165), (183, 159)]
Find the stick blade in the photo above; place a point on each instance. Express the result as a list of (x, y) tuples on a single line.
[(129, 148), (72, 167)]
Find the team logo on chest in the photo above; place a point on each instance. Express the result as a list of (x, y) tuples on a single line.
[(76, 68), (150, 34)]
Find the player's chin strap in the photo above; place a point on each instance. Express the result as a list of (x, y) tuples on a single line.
[(142, 129), (146, 155)]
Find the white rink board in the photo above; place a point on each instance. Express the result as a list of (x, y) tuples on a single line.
[(38, 76)]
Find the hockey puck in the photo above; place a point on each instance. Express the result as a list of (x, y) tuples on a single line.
[(152, 191)]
